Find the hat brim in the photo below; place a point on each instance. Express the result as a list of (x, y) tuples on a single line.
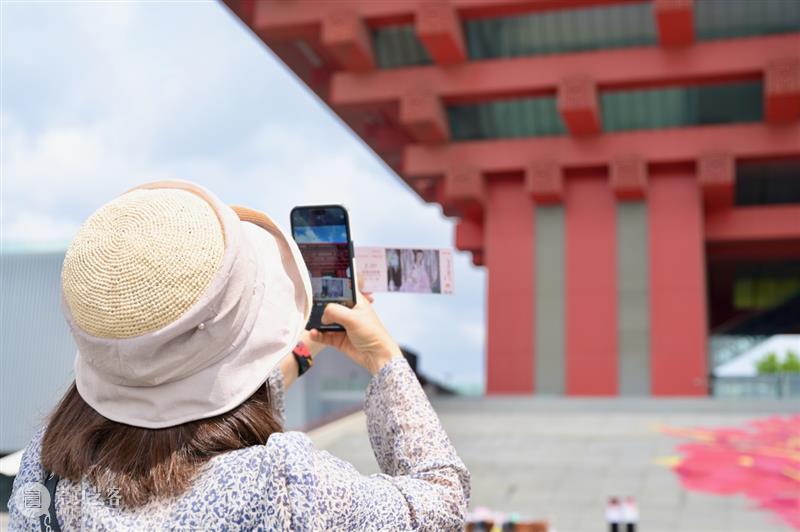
[(284, 289)]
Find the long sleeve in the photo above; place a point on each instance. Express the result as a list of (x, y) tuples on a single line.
[(277, 392), (424, 485), (30, 471)]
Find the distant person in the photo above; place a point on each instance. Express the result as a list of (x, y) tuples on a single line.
[(325, 285), (187, 315)]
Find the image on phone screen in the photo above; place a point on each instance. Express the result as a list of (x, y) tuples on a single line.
[(323, 236)]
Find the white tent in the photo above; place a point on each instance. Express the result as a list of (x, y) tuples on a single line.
[(9, 464), (744, 365)]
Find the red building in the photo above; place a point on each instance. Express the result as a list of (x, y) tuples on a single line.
[(627, 171)]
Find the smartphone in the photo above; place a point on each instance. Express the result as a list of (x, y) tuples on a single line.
[(322, 233)]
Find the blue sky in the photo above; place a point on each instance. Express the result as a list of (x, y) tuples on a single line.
[(320, 233), (98, 97)]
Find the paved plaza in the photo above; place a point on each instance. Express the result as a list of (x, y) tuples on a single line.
[(560, 459)]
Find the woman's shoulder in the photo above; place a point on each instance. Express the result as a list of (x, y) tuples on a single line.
[(268, 459), (288, 445)]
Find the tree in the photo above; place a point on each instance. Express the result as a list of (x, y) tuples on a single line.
[(791, 364), (768, 365)]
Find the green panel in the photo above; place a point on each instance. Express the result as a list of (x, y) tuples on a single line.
[(720, 19), (568, 30), (592, 28), (682, 106), (529, 117), (621, 111), (398, 46)]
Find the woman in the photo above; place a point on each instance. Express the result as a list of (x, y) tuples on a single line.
[(187, 315)]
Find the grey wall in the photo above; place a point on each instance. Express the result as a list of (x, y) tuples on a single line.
[(335, 384), (36, 348), (549, 332), (37, 352), (633, 300)]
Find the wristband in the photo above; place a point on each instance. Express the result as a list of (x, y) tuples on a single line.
[(303, 357)]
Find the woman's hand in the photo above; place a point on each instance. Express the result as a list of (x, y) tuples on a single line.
[(364, 340)]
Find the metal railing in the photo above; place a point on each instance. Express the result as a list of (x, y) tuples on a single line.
[(780, 385)]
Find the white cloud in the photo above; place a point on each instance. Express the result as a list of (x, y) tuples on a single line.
[(101, 97), (40, 227)]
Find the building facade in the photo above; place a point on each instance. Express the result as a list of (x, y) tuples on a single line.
[(627, 171)]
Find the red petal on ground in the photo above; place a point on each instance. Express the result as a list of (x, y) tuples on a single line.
[(761, 461)]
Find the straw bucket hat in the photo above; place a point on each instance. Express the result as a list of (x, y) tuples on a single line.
[(179, 304)]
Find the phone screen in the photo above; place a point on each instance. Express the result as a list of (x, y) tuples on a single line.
[(323, 236)]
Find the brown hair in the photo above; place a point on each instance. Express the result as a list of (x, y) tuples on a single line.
[(141, 464)]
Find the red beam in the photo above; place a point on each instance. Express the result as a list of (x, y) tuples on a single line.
[(782, 90), (708, 62), (439, 29), (743, 141), (675, 21), (464, 190), (772, 222), (423, 115), (544, 181), (469, 235), (628, 177), (716, 173), (281, 18), (579, 106), (345, 35)]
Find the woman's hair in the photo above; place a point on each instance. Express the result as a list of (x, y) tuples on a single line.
[(140, 464)]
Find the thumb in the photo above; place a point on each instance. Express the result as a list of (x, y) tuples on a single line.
[(336, 313), (333, 339)]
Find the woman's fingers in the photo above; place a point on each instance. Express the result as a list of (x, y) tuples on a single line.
[(336, 313), (332, 338)]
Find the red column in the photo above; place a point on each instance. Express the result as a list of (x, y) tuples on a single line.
[(678, 321), (509, 248), (591, 286)]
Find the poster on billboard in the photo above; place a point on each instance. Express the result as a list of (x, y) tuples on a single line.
[(410, 270)]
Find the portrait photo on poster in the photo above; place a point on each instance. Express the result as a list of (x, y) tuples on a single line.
[(413, 270)]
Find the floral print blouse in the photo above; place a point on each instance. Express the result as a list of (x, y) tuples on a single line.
[(287, 484)]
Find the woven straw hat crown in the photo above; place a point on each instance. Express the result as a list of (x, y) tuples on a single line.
[(141, 261)]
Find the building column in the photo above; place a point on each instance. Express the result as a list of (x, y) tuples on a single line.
[(509, 258), (678, 316), (591, 286)]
